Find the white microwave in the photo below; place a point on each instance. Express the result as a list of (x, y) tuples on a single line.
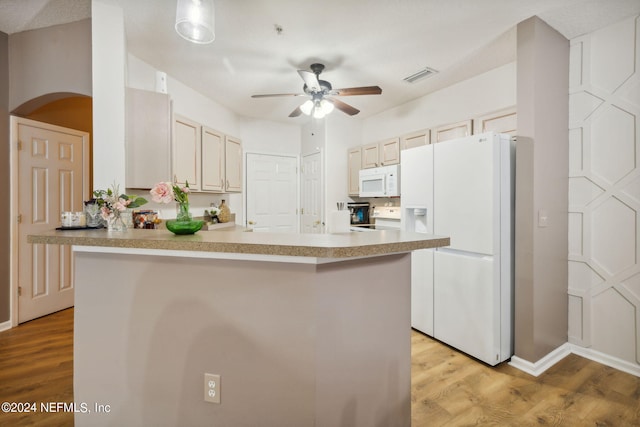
[(380, 182)]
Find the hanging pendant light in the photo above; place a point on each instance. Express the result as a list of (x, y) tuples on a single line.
[(195, 20)]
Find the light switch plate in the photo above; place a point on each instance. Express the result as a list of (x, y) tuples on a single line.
[(543, 218)]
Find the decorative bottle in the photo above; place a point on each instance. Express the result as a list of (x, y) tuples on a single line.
[(225, 213)]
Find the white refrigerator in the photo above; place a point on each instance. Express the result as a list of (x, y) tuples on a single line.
[(463, 294)]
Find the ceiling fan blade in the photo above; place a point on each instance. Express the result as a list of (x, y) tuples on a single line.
[(311, 80), (269, 95), (296, 112), (364, 90), (344, 107)]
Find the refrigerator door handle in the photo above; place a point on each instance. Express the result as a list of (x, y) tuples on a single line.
[(464, 253)]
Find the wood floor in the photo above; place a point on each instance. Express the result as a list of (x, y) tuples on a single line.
[(447, 387), (450, 389), (36, 365)]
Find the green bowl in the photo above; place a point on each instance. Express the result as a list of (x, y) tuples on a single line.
[(184, 227)]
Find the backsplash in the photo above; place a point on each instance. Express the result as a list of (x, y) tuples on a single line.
[(378, 201)]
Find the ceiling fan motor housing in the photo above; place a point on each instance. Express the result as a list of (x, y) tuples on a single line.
[(325, 87), (317, 68)]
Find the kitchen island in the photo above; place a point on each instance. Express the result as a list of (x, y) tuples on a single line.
[(303, 329)]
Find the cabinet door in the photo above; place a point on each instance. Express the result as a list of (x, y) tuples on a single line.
[(415, 139), (186, 152), (355, 163), (453, 131), (148, 138), (504, 121), (389, 152), (233, 165), (213, 167), (370, 158)]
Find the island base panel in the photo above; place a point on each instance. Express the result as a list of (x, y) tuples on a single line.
[(294, 344)]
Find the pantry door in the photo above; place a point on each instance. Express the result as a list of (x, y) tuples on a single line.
[(272, 192), (52, 177)]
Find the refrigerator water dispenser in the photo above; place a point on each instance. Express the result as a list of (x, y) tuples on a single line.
[(415, 220)]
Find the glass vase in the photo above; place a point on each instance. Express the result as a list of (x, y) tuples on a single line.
[(93, 214), (183, 213), (115, 222)]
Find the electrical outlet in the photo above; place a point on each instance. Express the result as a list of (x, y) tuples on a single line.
[(212, 388)]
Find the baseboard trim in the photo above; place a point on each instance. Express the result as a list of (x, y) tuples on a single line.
[(543, 364), (5, 326), (563, 351), (605, 359)]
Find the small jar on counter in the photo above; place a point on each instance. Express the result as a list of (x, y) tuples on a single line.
[(225, 213)]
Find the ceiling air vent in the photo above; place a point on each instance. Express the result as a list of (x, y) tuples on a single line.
[(422, 74)]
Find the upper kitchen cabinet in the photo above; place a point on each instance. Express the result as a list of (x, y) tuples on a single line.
[(370, 156), (382, 153), (213, 160), (186, 152), (210, 160), (415, 139), (233, 164), (390, 152), (504, 121), (148, 138), (355, 164), (452, 131)]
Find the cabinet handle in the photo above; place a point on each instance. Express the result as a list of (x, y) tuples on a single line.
[(227, 183), (252, 223), (221, 183)]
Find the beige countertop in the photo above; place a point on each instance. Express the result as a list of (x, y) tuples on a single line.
[(342, 245)]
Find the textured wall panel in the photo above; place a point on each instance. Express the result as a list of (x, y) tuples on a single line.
[(613, 143), (613, 236), (604, 191)]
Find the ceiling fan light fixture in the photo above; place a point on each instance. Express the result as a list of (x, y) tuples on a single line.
[(318, 113), (195, 20), (326, 106), (321, 107), (307, 107)]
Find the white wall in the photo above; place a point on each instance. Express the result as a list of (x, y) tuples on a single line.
[(490, 91), (342, 132), (50, 60), (604, 192), (186, 101), (108, 64), (265, 136)]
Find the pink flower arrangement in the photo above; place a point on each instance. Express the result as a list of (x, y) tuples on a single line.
[(112, 203), (166, 192)]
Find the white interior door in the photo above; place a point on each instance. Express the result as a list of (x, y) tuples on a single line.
[(311, 194), (52, 178), (272, 192)]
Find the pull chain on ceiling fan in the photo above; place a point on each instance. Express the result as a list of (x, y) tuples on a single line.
[(322, 93)]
